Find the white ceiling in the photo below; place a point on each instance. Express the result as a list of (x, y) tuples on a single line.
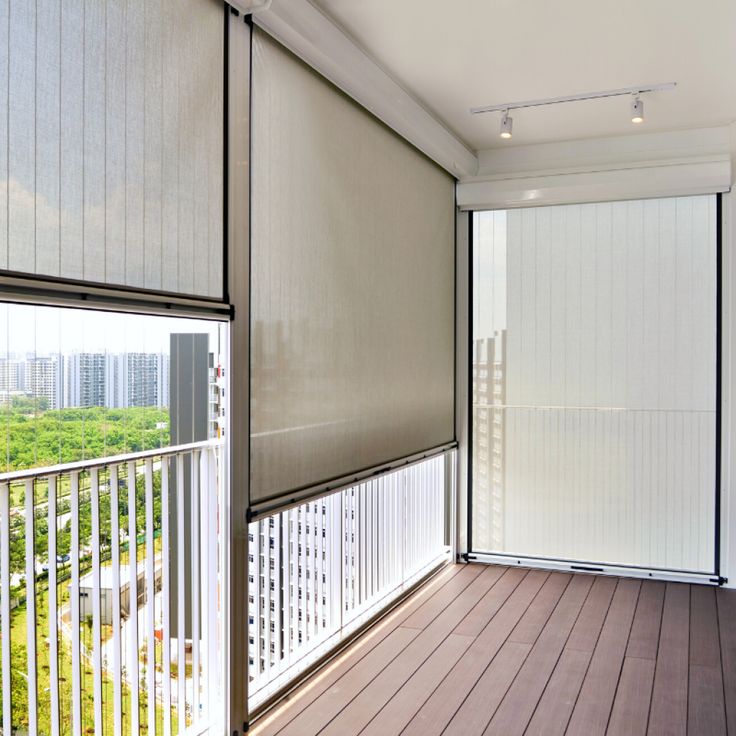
[(456, 55)]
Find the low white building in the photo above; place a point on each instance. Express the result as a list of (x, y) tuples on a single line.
[(86, 592)]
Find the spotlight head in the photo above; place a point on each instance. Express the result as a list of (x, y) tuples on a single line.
[(637, 111), (507, 124)]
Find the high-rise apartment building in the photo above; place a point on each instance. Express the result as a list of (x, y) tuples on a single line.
[(117, 381), (41, 379), (84, 379), (138, 379), (11, 377)]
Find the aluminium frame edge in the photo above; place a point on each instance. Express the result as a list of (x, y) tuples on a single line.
[(238, 76)]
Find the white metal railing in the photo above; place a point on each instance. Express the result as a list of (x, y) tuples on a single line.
[(91, 566), (318, 571)]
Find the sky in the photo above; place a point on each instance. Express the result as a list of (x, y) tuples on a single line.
[(45, 330)]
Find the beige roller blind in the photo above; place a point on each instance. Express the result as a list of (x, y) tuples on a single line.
[(111, 142), (352, 268)]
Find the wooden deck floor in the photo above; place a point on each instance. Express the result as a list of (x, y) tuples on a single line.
[(496, 650)]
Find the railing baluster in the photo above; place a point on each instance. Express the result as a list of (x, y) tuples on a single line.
[(382, 535), (301, 607), (351, 576), (117, 675), (369, 525), (180, 595), (322, 621), (165, 593), (204, 586), (294, 563), (53, 607), (313, 571), (266, 602), (286, 613), (94, 486), (256, 591), (363, 540), (195, 567), (132, 627), (209, 530), (336, 561), (375, 560), (396, 526), (5, 602), (150, 600), (275, 617), (30, 540), (74, 598), (345, 546)]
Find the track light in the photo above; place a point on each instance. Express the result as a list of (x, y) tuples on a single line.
[(637, 111), (637, 106), (507, 125)]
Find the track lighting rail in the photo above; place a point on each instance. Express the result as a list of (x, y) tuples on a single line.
[(640, 89)]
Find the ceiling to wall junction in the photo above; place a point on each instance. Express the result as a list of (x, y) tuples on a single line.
[(453, 56)]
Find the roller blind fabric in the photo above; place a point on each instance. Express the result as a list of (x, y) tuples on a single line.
[(111, 142), (352, 295)]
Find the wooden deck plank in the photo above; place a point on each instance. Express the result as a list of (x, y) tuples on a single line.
[(476, 710), (326, 677), (556, 705), (312, 718), (705, 713), (668, 710), (535, 617), (631, 705), (726, 600), (429, 610), (441, 706), (706, 709), (508, 651), (352, 719), (593, 707), (392, 718), (517, 707), (584, 635), (491, 602), (644, 637)]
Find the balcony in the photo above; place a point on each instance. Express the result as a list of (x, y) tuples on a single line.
[(104, 609), (498, 650), (337, 562), (94, 643)]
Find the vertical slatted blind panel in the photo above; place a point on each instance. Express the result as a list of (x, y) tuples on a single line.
[(111, 142), (594, 395)]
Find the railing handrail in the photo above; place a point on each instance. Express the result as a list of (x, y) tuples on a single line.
[(98, 462)]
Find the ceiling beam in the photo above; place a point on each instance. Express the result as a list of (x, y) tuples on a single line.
[(322, 44)]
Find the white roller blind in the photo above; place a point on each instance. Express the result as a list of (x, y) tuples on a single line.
[(352, 285), (594, 396), (111, 142)]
